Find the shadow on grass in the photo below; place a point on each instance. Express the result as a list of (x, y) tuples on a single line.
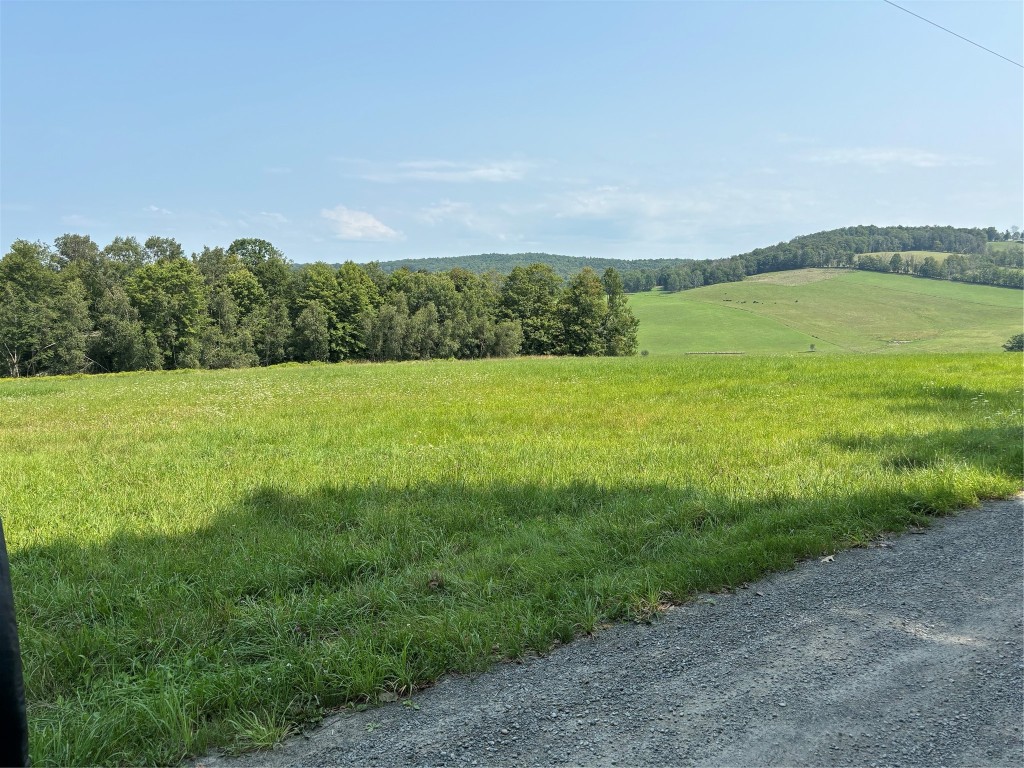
[(151, 646), (996, 448)]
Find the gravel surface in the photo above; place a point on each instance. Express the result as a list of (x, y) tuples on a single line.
[(906, 653)]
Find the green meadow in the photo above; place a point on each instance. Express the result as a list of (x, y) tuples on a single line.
[(1006, 246), (918, 256), (214, 558), (835, 310)]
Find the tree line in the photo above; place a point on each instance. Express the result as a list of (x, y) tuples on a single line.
[(971, 258), (985, 256), (74, 307)]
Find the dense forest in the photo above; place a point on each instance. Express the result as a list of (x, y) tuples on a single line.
[(503, 263), (77, 308), (973, 258)]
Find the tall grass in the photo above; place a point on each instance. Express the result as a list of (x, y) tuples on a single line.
[(213, 558)]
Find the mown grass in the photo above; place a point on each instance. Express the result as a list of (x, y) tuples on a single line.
[(213, 558), (836, 310)]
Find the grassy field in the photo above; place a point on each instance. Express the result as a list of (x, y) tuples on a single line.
[(212, 558), (836, 310), (998, 246), (1002, 246)]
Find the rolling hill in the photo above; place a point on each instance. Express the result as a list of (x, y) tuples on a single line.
[(927, 251), (805, 250), (835, 310), (503, 263)]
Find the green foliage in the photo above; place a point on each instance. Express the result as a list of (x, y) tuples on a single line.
[(581, 313), (530, 296), (148, 307), (245, 307), (44, 315), (209, 558), (226, 342), (620, 325), (121, 343), (216, 265), (357, 296), (313, 333), (275, 334), (1015, 344), (75, 248), (171, 298), (126, 253), (385, 331), (64, 337), (267, 263), (248, 294), (27, 286), (162, 248)]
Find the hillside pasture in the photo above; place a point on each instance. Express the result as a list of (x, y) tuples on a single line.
[(1006, 246), (214, 558), (917, 256), (836, 310)]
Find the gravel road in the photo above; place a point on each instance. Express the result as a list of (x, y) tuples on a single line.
[(906, 653)]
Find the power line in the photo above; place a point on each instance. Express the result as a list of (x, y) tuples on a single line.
[(954, 34)]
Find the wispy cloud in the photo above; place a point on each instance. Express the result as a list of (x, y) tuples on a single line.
[(614, 202), (445, 211), (349, 224), (158, 210), (495, 223), (274, 218), (78, 220), (674, 215), (443, 171), (883, 158)]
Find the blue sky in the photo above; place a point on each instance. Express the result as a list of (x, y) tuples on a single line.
[(388, 130)]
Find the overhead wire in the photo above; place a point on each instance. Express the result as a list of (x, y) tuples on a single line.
[(950, 31)]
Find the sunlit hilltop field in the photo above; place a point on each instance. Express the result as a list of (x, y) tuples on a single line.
[(836, 310)]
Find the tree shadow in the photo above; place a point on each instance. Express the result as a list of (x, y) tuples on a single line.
[(997, 448), (152, 646)]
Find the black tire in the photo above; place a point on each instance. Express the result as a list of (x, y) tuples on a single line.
[(13, 724)]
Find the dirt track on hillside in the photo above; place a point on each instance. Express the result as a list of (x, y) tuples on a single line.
[(907, 653)]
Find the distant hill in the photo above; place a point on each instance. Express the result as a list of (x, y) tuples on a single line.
[(836, 310), (971, 255), (503, 263)]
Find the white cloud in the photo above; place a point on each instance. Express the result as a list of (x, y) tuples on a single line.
[(357, 225), (882, 158), (158, 209)]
